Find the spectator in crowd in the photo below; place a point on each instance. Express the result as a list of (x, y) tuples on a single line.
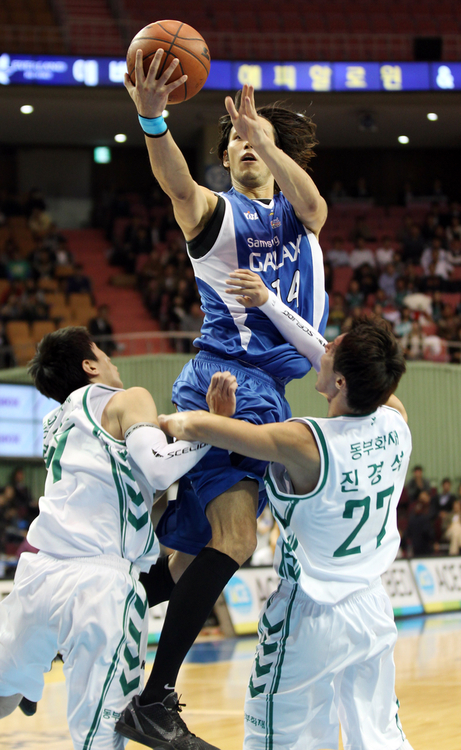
[(413, 245), (401, 292), (34, 306), (438, 255), (454, 252), (78, 282), (62, 255), (452, 530), (17, 267), (453, 231), (387, 281), (337, 255), (385, 252), (13, 308), (447, 326), (446, 498), (420, 532), (337, 314), (101, 329), (40, 223), (418, 483), (404, 326), (432, 282), (43, 263), (361, 254), (368, 282), (430, 224), (354, 297)]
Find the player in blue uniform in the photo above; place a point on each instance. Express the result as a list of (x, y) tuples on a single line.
[(268, 222)]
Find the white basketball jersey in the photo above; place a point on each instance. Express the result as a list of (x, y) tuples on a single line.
[(343, 535), (96, 501)]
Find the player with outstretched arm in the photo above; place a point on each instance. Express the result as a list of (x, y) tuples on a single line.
[(268, 221), (327, 635)]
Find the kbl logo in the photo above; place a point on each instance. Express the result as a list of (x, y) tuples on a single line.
[(425, 579), (238, 595)]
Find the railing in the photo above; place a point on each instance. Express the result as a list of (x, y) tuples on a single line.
[(126, 345), (151, 342)]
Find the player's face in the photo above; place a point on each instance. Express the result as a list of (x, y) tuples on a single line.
[(245, 166), (326, 378), (107, 370)]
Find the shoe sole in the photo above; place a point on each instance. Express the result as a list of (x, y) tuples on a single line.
[(133, 734)]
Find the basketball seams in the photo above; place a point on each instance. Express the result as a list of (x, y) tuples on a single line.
[(177, 46), (183, 49)]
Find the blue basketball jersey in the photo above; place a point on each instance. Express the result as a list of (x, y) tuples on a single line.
[(269, 239)]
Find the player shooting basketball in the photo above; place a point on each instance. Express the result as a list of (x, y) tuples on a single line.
[(269, 221)]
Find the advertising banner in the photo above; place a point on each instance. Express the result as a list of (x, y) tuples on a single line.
[(401, 589), (439, 582)]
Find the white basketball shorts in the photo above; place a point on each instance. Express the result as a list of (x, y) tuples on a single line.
[(93, 611), (319, 666)]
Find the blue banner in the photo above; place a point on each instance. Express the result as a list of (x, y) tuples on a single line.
[(47, 70)]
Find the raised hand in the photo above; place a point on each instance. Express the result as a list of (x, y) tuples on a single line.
[(245, 120), (150, 94), (221, 394), (247, 287)]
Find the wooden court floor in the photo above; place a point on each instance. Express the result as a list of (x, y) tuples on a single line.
[(213, 681)]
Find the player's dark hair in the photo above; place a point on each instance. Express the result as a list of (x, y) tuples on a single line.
[(294, 132), (371, 360), (56, 368)]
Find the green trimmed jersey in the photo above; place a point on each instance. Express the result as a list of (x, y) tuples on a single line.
[(343, 535), (96, 500)]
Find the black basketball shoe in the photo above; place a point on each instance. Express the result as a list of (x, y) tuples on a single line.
[(159, 726), (28, 707)]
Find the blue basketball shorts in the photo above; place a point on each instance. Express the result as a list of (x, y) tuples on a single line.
[(260, 400)]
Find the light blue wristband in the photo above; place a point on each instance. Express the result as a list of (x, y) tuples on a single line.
[(153, 126)]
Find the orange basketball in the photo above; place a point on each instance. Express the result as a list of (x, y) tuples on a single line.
[(178, 40)]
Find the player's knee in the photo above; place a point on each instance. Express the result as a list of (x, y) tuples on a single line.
[(8, 703), (238, 541)]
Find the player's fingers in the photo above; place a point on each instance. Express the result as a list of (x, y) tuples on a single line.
[(176, 84), (128, 83), (154, 66), (251, 96), (230, 106), (168, 72), (138, 66)]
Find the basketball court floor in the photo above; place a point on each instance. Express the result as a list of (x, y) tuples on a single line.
[(213, 682)]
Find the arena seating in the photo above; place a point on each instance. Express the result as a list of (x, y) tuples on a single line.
[(262, 31)]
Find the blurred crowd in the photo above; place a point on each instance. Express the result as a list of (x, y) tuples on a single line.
[(411, 277), (36, 268), (17, 511), (429, 517)]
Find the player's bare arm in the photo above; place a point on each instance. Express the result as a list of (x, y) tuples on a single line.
[(193, 204), (295, 183), (395, 403), (289, 443), (127, 408)]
